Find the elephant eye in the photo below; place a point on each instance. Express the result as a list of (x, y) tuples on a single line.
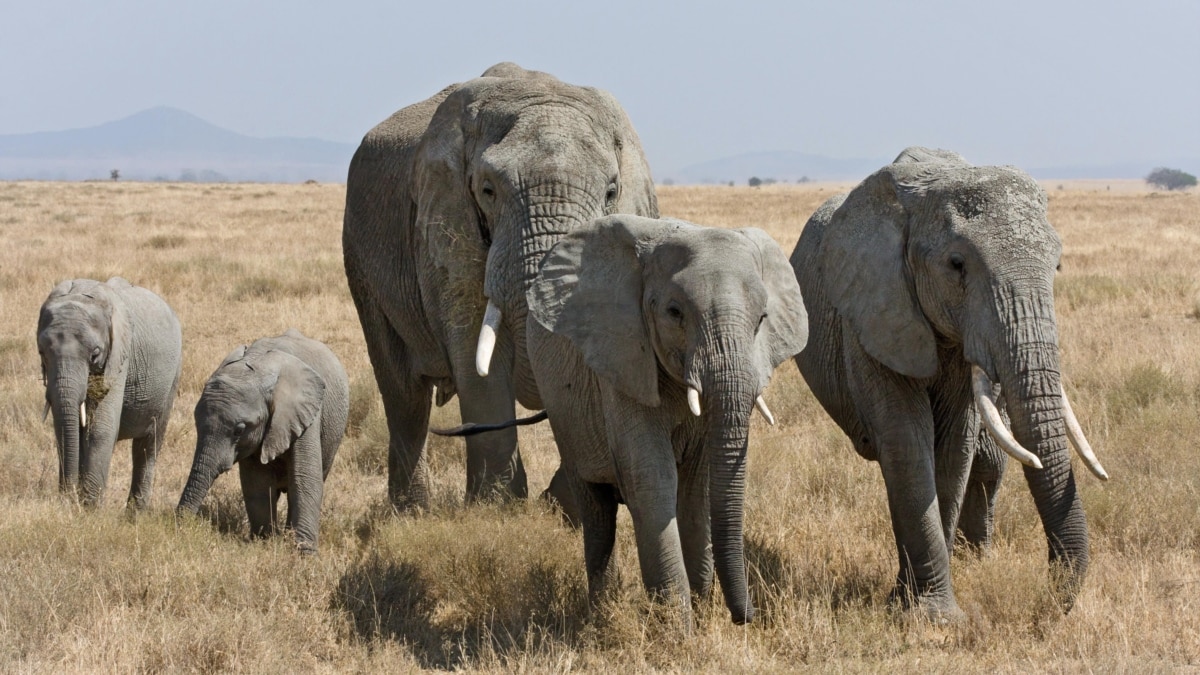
[(613, 191), (957, 262), (761, 319), (239, 428), (488, 190), (675, 313)]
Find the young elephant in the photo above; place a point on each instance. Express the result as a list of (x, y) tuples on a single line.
[(278, 408), (111, 356), (652, 341)]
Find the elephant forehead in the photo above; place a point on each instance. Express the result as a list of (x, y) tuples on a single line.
[(72, 317)]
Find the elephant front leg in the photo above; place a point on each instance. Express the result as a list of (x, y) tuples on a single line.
[(598, 518), (956, 427), (260, 496), (494, 466), (692, 514), (898, 419), (306, 488), (97, 442), (647, 478), (977, 522), (406, 403)]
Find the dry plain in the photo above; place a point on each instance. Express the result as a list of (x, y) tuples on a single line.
[(501, 587)]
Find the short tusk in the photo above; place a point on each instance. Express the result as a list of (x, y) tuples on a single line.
[(487, 339), (46, 411), (1080, 443), (766, 412), (982, 388), (694, 401), (83, 414)]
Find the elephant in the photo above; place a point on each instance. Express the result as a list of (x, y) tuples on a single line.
[(451, 203), (111, 356), (926, 284), (278, 408), (651, 342)]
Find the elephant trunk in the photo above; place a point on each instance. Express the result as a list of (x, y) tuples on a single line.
[(68, 393), (730, 390), (543, 214), (205, 469), (1033, 392)]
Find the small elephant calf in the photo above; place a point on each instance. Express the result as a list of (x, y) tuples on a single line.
[(278, 408)]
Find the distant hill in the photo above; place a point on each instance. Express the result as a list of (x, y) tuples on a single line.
[(169, 144), (793, 166)]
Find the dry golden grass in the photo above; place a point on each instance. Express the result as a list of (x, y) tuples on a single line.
[(501, 588)]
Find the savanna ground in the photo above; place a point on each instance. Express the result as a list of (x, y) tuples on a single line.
[(501, 587)]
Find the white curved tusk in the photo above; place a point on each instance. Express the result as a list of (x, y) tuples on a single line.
[(694, 401), (982, 388), (766, 412), (46, 411), (1080, 443), (83, 414), (487, 339)]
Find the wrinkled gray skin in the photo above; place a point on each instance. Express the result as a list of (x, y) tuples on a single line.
[(127, 342), (928, 266), (278, 409), (455, 200), (625, 315)]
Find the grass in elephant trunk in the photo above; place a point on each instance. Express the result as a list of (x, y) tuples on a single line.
[(501, 588)]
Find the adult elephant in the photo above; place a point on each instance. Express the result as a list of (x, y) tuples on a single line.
[(451, 203), (927, 283), (652, 341), (111, 356)]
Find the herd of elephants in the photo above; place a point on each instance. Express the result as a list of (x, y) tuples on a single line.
[(502, 244)]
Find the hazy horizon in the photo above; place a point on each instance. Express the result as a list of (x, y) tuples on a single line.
[(1070, 84)]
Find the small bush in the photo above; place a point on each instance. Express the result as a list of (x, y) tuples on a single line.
[(1170, 179), (165, 241)]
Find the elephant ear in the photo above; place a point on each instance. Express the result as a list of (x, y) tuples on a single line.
[(785, 329), (120, 336), (234, 356), (637, 194), (863, 256), (589, 290), (293, 399), (446, 217)]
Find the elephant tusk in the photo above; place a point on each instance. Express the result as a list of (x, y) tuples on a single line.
[(83, 414), (694, 401), (45, 411), (982, 388), (487, 339), (1079, 442), (766, 412)]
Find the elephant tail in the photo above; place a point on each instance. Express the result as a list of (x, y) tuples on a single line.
[(471, 428)]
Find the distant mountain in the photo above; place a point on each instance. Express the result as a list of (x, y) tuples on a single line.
[(170, 144), (781, 166), (793, 166)]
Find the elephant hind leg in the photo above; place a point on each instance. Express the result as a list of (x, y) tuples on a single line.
[(145, 456)]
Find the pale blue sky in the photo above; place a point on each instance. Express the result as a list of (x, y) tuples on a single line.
[(1031, 83)]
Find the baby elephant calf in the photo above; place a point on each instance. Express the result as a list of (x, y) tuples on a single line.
[(278, 408)]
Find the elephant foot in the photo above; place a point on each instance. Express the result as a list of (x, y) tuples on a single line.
[(928, 608)]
